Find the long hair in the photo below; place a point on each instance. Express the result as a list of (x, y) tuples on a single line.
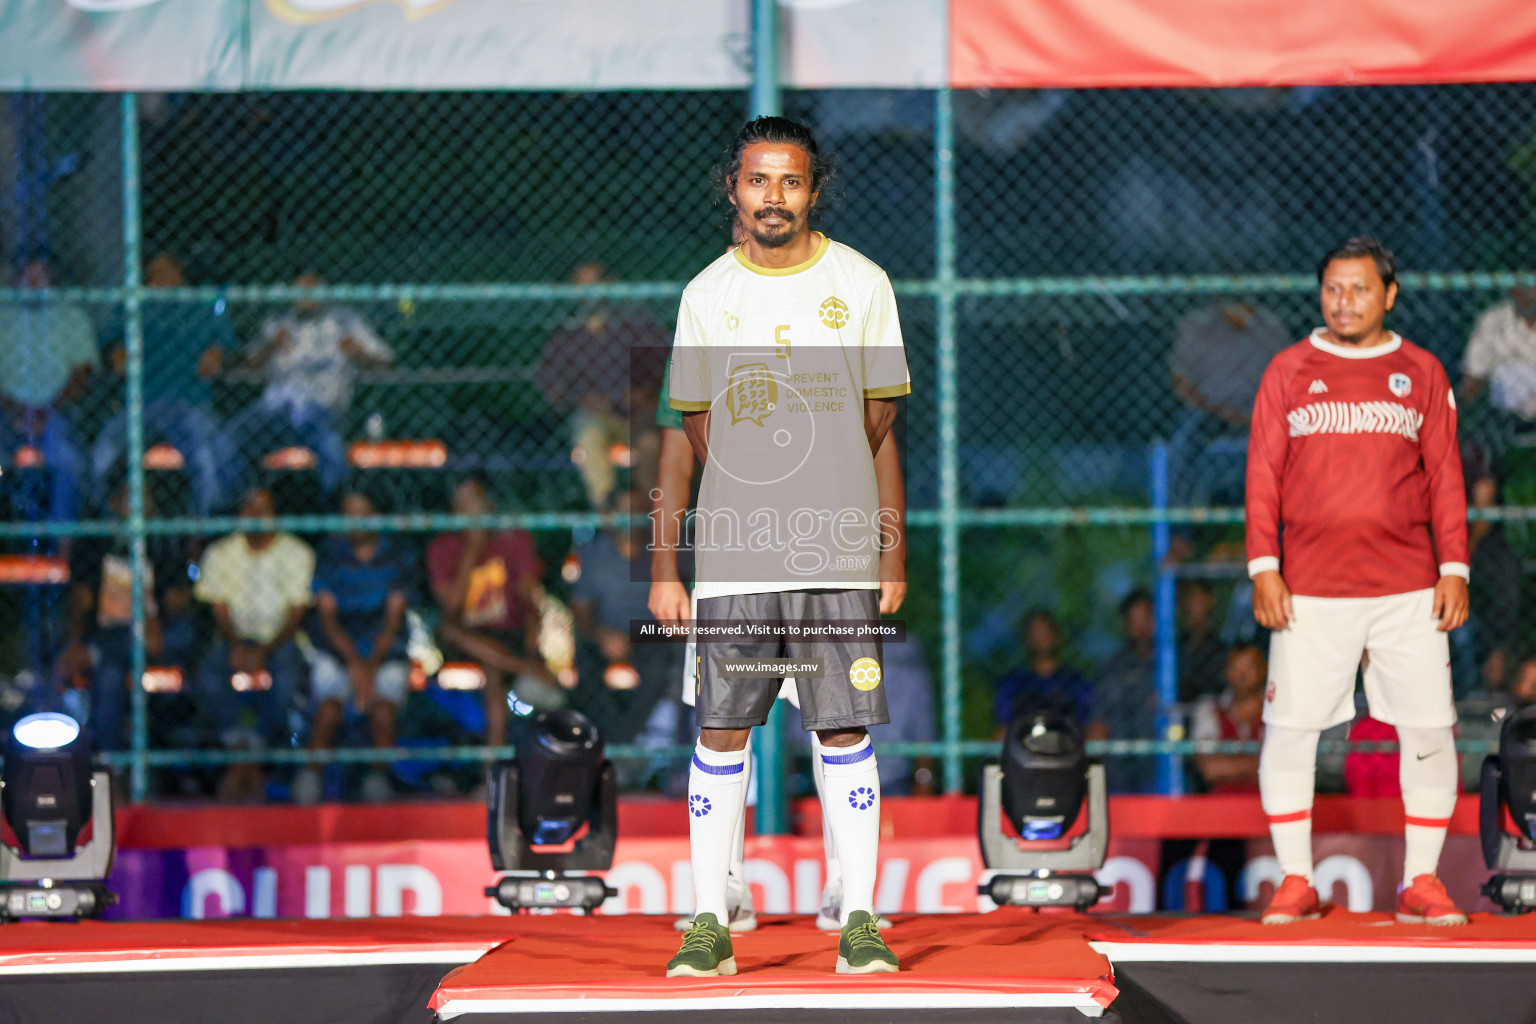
[(778, 130)]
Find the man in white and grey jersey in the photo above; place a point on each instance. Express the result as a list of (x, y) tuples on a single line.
[(787, 365)]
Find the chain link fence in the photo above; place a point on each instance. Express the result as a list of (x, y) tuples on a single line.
[(401, 322)]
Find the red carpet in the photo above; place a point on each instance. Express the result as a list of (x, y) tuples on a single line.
[(1010, 958)]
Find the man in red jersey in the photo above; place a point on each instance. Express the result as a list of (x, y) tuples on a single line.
[(1353, 453)]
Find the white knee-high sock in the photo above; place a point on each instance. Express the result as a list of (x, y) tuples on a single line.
[(850, 800), (1287, 780), (834, 867), (1427, 770), (738, 868), (717, 792)]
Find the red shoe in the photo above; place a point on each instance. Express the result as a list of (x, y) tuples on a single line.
[(1426, 902), (1295, 900)]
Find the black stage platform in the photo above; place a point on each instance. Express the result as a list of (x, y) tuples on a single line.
[(1012, 965)]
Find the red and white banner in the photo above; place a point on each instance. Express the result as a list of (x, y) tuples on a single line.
[(1014, 44), (112, 45)]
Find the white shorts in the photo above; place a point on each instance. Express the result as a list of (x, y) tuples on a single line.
[(328, 679), (1407, 666)]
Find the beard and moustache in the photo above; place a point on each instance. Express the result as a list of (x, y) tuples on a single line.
[(776, 238)]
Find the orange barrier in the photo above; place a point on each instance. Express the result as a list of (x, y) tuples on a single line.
[(16, 570), (426, 454), (293, 457)]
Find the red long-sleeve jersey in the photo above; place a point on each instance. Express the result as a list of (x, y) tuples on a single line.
[(1353, 456)]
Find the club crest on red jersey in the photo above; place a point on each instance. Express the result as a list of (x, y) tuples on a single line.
[(1399, 384)]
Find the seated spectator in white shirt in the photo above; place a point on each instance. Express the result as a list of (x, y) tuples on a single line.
[(258, 586), (1501, 355), (311, 355)]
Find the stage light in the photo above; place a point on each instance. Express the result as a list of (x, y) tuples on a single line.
[(46, 730), (50, 798), (1043, 781), (553, 814), (1509, 781)]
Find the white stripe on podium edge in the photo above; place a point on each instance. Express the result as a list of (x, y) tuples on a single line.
[(1256, 953), (780, 1001), (255, 961)]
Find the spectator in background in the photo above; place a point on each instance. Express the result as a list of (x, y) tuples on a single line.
[(48, 350), (1372, 772), (586, 373), (1216, 364), (1220, 356), (620, 684), (364, 582), (905, 672), (1494, 622), (487, 585), (1046, 683), (257, 585), (1521, 691), (184, 348), (311, 355), (1125, 697), (97, 653), (1501, 356), (1202, 655), (1235, 715)]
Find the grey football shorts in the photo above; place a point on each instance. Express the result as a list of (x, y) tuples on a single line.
[(849, 692)]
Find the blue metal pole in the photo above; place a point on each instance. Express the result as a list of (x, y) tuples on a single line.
[(948, 402), (766, 97), (1170, 767), (134, 336), (772, 766)]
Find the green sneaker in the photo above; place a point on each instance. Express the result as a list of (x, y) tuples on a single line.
[(706, 951), (861, 950)]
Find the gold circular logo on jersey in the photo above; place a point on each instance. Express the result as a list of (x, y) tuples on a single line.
[(834, 313), (864, 674)]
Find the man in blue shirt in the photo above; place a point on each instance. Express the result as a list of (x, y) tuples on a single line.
[(1046, 684), (1125, 700), (48, 352), (610, 593), (363, 585), (184, 347)]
